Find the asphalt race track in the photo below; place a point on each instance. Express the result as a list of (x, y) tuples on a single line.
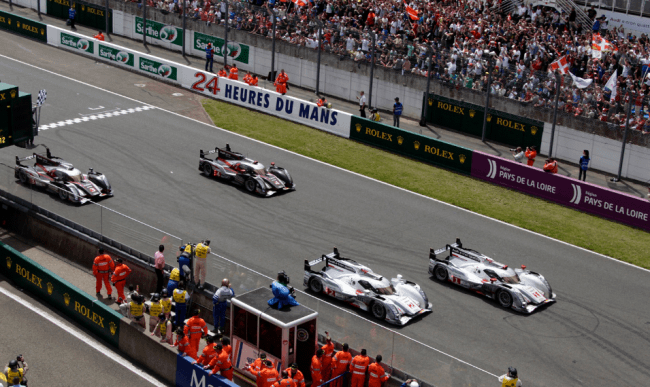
[(597, 334)]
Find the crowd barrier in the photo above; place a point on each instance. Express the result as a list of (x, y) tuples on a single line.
[(29, 275), (193, 375), (468, 118), (563, 190)]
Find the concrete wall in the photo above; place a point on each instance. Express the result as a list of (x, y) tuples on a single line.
[(605, 153)]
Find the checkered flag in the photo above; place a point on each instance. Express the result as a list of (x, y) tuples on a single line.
[(42, 96)]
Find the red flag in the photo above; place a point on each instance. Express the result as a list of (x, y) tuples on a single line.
[(561, 64), (413, 14)]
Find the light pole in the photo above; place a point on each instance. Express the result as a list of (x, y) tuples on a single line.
[(627, 127), (105, 14), (225, 39), (372, 66), (557, 100), (487, 98), (184, 10), (144, 22), (319, 25), (425, 113), (273, 15)]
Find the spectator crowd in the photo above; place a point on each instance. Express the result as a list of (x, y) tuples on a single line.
[(467, 38)]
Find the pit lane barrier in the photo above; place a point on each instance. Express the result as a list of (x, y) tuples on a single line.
[(24, 212)]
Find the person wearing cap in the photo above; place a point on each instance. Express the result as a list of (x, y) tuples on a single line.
[(328, 353), (183, 344), (316, 368), (376, 373), (201, 252), (163, 330), (221, 363), (103, 265), (195, 329), (155, 309), (510, 379), (295, 374), (180, 296), (256, 366), (285, 381), (136, 311), (410, 383), (358, 366), (267, 375), (341, 364), (374, 116), (208, 354), (119, 279), (220, 301), (14, 371), (397, 112)]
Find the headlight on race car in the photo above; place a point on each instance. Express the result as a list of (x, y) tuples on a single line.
[(424, 297)]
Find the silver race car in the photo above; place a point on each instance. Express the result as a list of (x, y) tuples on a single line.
[(251, 174), (396, 301), (59, 176), (520, 289)]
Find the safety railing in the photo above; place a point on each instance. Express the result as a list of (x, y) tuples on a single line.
[(408, 357)]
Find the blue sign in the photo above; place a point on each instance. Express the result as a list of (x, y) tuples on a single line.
[(188, 375)]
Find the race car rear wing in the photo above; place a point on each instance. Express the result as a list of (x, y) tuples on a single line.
[(19, 160), (309, 264), (203, 154), (434, 253)]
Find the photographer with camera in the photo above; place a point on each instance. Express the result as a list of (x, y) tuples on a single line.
[(16, 369), (530, 154), (518, 154), (283, 294)]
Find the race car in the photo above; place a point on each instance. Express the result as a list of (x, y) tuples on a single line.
[(520, 289), (396, 301), (59, 176), (250, 174)]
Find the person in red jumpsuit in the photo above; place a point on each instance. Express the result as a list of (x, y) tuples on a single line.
[(103, 265), (281, 82), (119, 279)]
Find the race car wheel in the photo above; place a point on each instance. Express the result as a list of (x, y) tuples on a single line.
[(441, 273), (315, 285), (504, 298), (378, 310), (63, 194), (22, 175), (250, 185), (207, 169)]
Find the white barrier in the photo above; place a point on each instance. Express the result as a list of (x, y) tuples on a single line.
[(238, 93)]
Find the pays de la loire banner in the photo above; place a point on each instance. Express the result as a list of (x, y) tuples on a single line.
[(159, 31), (563, 190), (236, 51), (270, 102)]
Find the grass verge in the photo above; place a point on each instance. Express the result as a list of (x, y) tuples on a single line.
[(584, 230)]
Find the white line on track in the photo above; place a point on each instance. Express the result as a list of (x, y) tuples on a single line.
[(83, 337), (354, 173)]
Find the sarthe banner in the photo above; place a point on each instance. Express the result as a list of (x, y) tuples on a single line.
[(411, 144), (563, 190), (62, 295)]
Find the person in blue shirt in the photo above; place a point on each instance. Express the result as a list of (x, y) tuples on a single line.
[(72, 14), (397, 112), (584, 165), (209, 57)]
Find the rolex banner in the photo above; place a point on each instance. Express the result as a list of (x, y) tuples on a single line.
[(60, 294), (23, 26), (90, 15), (468, 118), (411, 144)]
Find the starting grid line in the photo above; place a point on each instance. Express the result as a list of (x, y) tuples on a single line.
[(94, 117)]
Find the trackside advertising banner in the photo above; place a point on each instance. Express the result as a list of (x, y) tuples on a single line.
[(159, 31), (23, 26), (236, 51), (411, 144), (36, 279), (563, 190), (188, 375), (266, 101)]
